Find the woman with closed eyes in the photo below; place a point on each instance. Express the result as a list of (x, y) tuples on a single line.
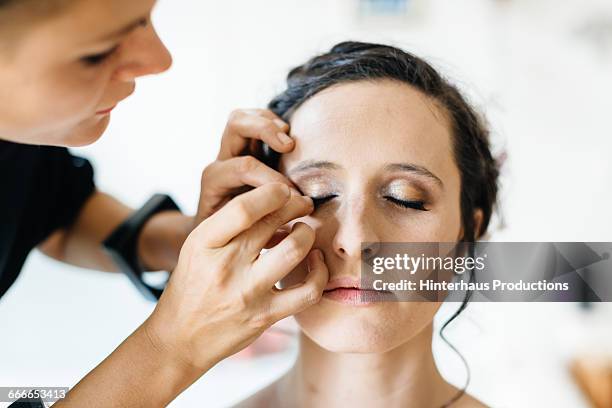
[(389, 151)]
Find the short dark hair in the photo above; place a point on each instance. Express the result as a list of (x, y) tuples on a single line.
[(359, 61)]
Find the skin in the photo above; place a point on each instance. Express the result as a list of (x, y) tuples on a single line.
[(359, 129), (221, 294)]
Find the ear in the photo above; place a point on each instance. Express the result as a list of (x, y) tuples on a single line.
[(478, 217)]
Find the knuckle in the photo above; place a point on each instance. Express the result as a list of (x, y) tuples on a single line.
[(242, 214), (279, 190), (269, 128), (312, 294), (247, 164), (271, 220), (199, 236), (293, 251), (209, 169), (260, 321), (310, 232), (306, 230), (235, 115)]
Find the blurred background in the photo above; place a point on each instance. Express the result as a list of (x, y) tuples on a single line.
[(541, 70)]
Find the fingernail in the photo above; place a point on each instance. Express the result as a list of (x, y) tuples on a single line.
[(280, 123), (284, 138)]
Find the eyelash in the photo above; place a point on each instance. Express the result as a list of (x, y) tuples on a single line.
[(319, 201), (415, 205), (97, 59)]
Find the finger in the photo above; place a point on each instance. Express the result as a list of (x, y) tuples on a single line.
[(230, 174), (290, 301), (256, 238), (276, 263), (241, 213), (243, 126), (278, 236), (266, 113)]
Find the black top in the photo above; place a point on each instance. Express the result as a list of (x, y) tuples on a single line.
[(42, 189)]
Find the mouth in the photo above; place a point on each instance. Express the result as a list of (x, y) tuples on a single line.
[(106, 111), (109, 110), (349, 291)]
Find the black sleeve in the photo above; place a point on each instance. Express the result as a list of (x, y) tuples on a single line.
[(66, 183), (43, 189)]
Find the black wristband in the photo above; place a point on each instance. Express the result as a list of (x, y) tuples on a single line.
[(122, 244)]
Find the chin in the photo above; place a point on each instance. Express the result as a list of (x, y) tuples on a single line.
[(87, 132), (376, 328)]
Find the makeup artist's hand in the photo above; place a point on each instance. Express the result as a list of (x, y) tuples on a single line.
[(222, 294), (235, 170)]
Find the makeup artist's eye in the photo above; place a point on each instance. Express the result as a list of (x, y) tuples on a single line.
[(319, 201), (415, 205), (97, 59)]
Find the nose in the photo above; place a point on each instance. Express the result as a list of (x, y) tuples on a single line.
[(143, 54), (356, 237)]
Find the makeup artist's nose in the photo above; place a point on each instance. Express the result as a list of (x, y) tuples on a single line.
[(143, 54), (356, 236)]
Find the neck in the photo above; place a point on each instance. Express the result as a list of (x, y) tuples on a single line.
[(405, 376)]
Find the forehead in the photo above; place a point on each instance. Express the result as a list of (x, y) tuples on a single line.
[(369, 124), (80, 22), (95, 18)]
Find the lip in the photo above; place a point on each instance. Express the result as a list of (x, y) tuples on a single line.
[(348, 291), (343, 282), (106, 111)]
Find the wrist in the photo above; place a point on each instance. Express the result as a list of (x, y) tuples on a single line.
[(162, 238), (170, 341), (173, 370)]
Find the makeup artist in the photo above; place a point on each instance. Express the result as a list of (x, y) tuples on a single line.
[(64, 66)]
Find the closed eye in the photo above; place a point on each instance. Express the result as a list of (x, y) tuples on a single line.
[(97, 59), (318, 201), (415, 205)]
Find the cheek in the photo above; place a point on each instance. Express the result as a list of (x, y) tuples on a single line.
[(76, 95), (66, 95), (441, 224)]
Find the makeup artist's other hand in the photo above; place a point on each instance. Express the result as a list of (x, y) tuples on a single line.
[(222, 294), (235, 170)]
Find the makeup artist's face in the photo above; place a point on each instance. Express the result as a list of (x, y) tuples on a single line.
[(377, 159), (62, 76)]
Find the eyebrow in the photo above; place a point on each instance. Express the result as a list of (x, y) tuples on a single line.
[(125, 29), (313, 164), (405, 167), (416, 169)]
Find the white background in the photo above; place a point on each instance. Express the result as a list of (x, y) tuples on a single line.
[(541, 78)]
